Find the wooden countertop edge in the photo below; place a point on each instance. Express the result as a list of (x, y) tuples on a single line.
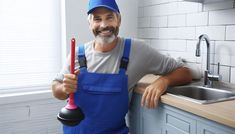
[(208, 111)]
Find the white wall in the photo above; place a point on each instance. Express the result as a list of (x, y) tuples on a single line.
[(30, 114), (129, 13), (36, 113), (173, 27)]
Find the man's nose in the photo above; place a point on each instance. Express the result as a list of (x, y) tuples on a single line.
[(103, 24)]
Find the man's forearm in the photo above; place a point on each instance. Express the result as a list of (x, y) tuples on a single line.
[(180, 76), (57, 90)]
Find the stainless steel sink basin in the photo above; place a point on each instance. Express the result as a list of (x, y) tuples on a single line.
[(200, 94)]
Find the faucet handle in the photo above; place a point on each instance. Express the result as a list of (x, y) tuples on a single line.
[(218, 68), (206, 81), (215, 77)]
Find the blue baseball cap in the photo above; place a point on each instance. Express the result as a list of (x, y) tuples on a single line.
[(110, 4)]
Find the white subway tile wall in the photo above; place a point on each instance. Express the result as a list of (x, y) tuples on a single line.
[(214, 32), (144, 22), (233, 75), (218, 5), (202, 19), (230, 32), (176, 20), (222, 17), (173, 28), (158, 21), (232, 61)]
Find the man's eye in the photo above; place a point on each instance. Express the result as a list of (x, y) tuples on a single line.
[(97, 19), (110, 17)]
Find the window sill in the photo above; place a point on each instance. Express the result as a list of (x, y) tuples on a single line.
[(18, 97)]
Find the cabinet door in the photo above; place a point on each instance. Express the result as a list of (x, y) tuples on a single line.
[(178, 123), (135, 115), (143, 120), (152, 121), (207, 129)]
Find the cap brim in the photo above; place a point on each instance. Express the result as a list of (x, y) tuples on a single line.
[(105, 6)]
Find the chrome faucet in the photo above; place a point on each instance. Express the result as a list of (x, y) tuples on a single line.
[(208, 76)]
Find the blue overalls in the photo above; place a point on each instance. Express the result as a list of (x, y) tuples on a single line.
[(103, 98)]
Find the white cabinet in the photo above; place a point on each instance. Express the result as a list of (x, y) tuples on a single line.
[(142, 120), (152, 121), (177, 123), (203, 128), (170, 120)]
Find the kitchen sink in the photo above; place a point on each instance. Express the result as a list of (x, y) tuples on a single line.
[(201, 94)]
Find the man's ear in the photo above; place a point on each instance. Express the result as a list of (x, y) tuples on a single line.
[(119, 20), (89, 21)]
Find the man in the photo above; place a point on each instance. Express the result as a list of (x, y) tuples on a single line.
[(101, 84)]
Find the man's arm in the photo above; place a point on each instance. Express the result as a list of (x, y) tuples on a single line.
[(153, 92)]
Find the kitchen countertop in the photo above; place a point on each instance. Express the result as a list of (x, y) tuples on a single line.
[(221, 112)]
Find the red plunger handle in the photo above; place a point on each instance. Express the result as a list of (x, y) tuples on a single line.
[(71, 103), (72, 61)]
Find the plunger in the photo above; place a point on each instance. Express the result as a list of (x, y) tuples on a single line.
[(71, 115)]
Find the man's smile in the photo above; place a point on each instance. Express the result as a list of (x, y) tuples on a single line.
[(105, 32)]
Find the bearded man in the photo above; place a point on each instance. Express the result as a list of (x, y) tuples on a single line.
[(107, 69)]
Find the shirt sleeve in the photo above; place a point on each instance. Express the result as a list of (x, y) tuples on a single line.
[(157, 63), (66, 68), (148, 60)]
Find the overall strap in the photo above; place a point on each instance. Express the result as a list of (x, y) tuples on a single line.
[(125, 57), (82, 58)]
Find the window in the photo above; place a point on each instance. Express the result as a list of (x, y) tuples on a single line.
[(30, 43)]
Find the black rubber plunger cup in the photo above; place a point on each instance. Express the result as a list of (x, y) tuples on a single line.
[(71, 115)]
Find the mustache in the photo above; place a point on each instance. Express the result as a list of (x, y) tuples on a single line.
[(108, 28)]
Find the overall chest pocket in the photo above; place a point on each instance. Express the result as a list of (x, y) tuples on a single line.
[(101, 89), (95, 83)]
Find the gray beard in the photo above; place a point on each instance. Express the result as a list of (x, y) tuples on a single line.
[(104, 40)]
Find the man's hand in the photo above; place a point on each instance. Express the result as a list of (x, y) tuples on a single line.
[(153, 93), (70, 82), (61, 90)]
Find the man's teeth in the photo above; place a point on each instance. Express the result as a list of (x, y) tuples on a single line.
[(106, 31)]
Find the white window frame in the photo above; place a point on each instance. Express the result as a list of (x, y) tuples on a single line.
[(37, 92)]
